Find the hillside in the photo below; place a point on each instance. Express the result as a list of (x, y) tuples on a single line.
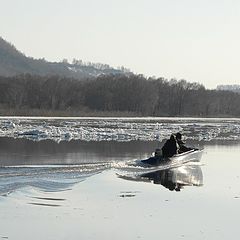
[(13, 62)]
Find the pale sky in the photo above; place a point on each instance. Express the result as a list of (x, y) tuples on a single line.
[(196, 40)]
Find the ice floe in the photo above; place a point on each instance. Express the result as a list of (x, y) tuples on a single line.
[(118, 129)]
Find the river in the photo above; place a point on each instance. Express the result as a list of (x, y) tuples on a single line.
[(69, 178)]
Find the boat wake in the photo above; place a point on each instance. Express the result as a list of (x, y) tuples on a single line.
[(49, 178), (56, 178)]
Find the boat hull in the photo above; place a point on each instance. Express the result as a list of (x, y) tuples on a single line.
[(193, 155)]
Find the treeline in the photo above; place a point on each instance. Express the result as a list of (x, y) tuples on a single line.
[(116, 93), (99, 66)]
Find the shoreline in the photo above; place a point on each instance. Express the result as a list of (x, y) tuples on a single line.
[(117, 117), (36, 113)]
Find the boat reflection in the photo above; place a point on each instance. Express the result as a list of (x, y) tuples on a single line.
[(173, 179), (177, 178)]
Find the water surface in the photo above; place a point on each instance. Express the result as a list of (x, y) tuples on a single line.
[(79, 189)]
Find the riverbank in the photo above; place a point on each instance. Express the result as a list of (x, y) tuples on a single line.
[(91, 113), (65, 113)]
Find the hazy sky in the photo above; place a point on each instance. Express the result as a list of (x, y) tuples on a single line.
[(198, 40)]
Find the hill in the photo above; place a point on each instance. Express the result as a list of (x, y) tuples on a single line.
[(13, 62)]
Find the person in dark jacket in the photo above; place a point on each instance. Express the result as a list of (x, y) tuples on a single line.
[(170, 147), (182, 147)]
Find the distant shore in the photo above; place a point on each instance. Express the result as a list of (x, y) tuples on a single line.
[(70, 113), (88, 113)]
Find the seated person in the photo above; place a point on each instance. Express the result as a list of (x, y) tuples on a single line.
[(182, 147), (170, 148)]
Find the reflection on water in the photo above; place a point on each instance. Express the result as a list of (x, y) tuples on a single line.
[(173, 179), (177, 178), (16, 152)]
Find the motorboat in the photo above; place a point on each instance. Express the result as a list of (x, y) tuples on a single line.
[(181, 158)]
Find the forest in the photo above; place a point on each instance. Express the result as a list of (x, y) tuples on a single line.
[(133, 95)]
